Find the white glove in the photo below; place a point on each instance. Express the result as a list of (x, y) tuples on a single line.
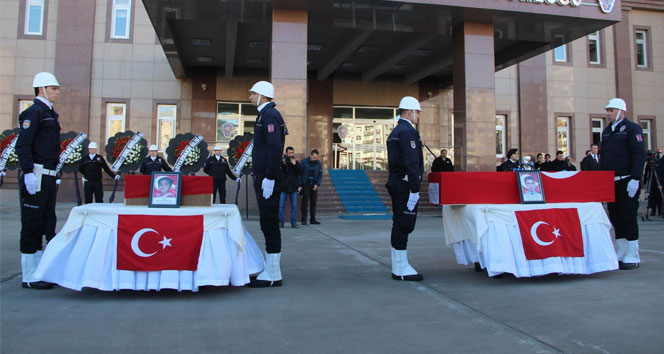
[(83, 180), (2, 174), (238, 180), (58, 181), (30, 181), (117, 177), (412, 200), (632, 188), (268, 187)]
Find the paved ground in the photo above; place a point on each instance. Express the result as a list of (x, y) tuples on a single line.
[(338, 297)]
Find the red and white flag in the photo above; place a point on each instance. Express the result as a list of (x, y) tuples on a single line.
[(550, 233), (154, 243)]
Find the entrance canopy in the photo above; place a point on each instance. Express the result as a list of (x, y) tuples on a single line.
[(410, 40)]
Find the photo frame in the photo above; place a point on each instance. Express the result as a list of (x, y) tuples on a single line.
[(531, 190), (165, 190)]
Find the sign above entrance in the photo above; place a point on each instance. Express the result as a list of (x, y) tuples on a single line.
[(605, 5)]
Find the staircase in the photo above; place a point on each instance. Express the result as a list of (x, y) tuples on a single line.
[(358, 196), (379, 179)]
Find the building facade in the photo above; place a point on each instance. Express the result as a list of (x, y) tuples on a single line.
[(340, 69)]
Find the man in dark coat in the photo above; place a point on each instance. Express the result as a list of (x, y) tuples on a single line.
[(291, 186), (512, 163), (591, 161), (623, 151), (91, 166), (217, 167), (442, 163), (310, 180), (38, 150), (152, 162), (269, 137)]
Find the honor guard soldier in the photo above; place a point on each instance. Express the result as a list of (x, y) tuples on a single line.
[(217, 167), (623, 151), (90, 167), (152, 162), (269, 137), (406, 166), (38, 150)]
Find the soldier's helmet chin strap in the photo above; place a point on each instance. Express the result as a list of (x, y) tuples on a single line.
[(46, 96)]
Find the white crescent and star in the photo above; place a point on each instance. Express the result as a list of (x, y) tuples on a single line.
[(533, 234), (166, 242)]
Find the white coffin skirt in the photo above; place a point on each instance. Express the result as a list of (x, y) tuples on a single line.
[(86, 257)]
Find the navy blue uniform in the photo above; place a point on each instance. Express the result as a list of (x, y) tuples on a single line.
[(269, 137), (38, 143), (406, 166), (91, 170), (623, 151), (159, 164), (218, 169)]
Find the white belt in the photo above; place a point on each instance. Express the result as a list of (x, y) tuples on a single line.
[(405, 178), (618, 178), (49, 172)]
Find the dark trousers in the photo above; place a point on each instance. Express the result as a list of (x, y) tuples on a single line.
[(93, 187), (37, 215), (268, 210), (309, 198), (622, 212), (403, 220), (219, 186), (655, 197)]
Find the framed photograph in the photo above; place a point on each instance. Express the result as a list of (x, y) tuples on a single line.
[(165, 190), (530, 187)]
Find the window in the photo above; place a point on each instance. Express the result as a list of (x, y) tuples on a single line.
[(234, 119), (594, 49), (597, 128), (116, 113), (560, 54), (120, 20), (501, 119), (645, 126), (563, 134), (166, 119), (641, 48), (23, 105), (34, 17)]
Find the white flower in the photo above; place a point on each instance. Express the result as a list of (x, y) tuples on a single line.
[(134, 155), (193, 157), (75, 156)]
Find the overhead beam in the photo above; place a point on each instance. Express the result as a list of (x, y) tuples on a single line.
[(231, 43), (427, 69), (396, 57), (350, 46)]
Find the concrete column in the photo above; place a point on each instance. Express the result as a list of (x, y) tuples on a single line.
[(532, 106), (623, 51), (474, 97), (73, 63), (289, 72), (204, 103), (319, 123)]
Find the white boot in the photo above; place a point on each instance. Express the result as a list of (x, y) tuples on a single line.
[(401, 269), (271, 274), (29, 264), (631, 259), (621, 248)]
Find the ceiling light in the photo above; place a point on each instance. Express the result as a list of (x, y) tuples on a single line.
[(366, 49), (254, 60), (204, 59), (350, 65), (314, 47), (258, 45), (422, 52)]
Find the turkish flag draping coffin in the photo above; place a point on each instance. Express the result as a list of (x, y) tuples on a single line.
[(196, 190), (159, 242), (503, 188), (550, 233)]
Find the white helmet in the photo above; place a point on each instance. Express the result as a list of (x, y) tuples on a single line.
[(92, 145), (617, 103), (45, 79), (263, 88), (218, 147), (153, 147), (410, 103)]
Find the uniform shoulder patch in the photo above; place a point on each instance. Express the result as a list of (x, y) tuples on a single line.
[(26, 124), (270, 128), (622, 129), (412, 144), (639, 138)]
